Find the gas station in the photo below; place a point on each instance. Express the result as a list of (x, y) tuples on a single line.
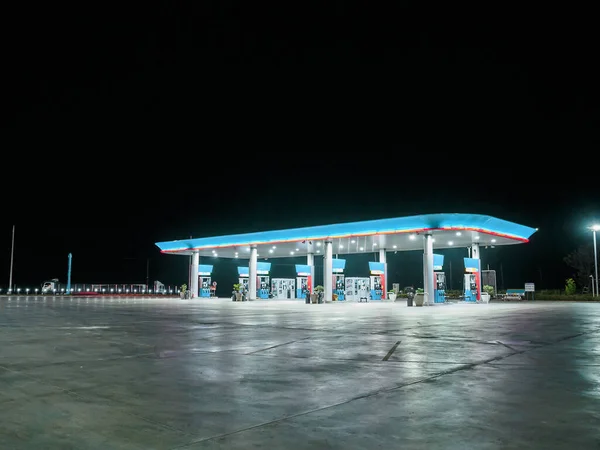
[(422, 232)]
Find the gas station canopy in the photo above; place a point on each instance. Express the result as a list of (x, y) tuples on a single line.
[(397, 234)]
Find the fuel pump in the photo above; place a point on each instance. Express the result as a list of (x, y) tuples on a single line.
[(263, 286), (376, 287), (204, 280), (339, 282), (377, 280), (339, 286), (205, 286), (439, 288), (301, 287), (470, 287), (304, 281), (472, 284)]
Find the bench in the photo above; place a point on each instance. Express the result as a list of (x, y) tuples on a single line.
[(514, 294)]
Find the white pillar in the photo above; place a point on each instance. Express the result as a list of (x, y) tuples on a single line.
[(424, 268), (328, 271), (252, 273), (428, 268), (194, 274), (382, 259), (475, 250), (475, 255), (310, 261)]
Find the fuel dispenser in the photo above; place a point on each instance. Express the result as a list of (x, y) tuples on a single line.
[(472, 283), (243, 273), (204, 280), (439, 287), (376, 289), (302, 287), (263, 287), (204, 286), (470, 287), (377, 279), (304, 280), (339, 286), (439, 279)]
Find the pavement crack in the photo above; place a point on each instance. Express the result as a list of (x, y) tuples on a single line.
[(508, 347), (278, 345), (566, 338)]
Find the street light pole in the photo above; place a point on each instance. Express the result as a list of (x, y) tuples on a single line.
[(12, 254), (594, 229)]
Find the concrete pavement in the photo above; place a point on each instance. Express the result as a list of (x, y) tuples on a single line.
[(109, 373)]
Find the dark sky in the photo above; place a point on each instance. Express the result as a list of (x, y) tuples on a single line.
[(127, 125)]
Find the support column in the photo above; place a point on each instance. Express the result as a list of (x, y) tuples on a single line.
[(424, 267), (252, 273), (475, 255), (194, 274), (328, 271), (428, 269), (310, 261), (384, 280)]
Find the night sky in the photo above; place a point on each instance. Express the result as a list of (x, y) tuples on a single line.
[(126, 126)]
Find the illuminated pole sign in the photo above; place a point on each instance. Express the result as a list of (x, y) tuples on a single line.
[(471, 265), (205, 269), (377, 268), (438, 261), (303, 270), (263, 268), (338, 265)]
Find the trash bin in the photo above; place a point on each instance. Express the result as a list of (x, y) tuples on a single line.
[(410, 295)]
